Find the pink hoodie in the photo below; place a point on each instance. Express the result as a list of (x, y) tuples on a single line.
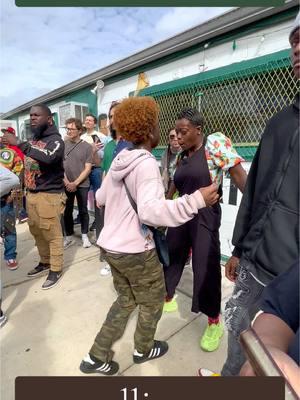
[(123, 230)]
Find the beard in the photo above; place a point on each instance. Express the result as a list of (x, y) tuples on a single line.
[(113, 133), (38, 131)]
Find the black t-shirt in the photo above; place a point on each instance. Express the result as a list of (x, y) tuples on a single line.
[(281, 298)]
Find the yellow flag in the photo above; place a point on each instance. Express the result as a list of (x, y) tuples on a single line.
[(142, 83)]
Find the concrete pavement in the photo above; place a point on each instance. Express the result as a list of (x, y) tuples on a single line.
[(50, 331)]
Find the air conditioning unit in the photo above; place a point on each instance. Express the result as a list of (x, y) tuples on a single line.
[(72, 110)]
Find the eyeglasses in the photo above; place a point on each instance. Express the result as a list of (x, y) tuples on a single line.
[(70, 129)]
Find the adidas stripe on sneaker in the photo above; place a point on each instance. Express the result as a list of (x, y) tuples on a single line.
[(158, 350), (91, 365)]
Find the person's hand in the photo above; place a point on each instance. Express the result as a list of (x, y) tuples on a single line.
[(210, 194), (99, 145), (9, 138), (71, 187), (66, 182), (230, 268), (285, 363)]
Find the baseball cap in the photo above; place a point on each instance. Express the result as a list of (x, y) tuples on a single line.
[(8, 130), (296, 25)]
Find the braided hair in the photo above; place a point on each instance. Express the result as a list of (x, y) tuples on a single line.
[(192, 115)]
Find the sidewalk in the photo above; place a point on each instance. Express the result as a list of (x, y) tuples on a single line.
[(50, 331)]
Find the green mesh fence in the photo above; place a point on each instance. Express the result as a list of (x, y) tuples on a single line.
[(236, 100)]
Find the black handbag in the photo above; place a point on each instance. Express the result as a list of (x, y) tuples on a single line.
[(159, 235)]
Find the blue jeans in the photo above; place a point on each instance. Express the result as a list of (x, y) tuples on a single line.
[(240, 310), (10, 240), (95, 178)]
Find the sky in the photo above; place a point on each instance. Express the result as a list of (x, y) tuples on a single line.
[(44, 48)]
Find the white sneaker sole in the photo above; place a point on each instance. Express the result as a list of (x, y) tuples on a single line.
[(52, 286), (69, 244)]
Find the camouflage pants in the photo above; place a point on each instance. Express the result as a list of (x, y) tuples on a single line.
[(139, 281)]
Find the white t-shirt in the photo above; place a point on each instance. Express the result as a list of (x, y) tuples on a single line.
[(88, 137)]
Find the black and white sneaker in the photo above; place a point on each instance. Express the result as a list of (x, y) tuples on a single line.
[(91, 365), (38, 270), (158, 350), (52, 280)]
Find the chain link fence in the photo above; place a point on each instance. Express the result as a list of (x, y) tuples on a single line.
[(237, 103)]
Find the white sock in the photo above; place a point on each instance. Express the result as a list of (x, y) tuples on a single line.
[(84, 236)]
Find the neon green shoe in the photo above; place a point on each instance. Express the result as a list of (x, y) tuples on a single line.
[(171, 306), (210, 340)]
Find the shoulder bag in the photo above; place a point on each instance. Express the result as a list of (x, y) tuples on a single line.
[(159, 236)]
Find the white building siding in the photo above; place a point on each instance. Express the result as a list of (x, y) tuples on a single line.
[(262, 42)]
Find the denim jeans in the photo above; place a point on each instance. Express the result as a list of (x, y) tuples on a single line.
[(95, 180), (240, 310), (10, 240)]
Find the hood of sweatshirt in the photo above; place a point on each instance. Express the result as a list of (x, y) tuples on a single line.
[(126, 161), (49, 131)]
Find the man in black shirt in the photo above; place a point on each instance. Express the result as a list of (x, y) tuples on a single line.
[(266, 233), (45, 199)]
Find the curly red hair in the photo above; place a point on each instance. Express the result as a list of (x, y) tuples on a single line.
[(135, 118)]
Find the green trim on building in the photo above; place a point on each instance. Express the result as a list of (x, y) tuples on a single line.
[(251, 67), (83, 95), (234, 35)]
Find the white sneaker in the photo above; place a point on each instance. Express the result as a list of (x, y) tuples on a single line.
[(85, 242), (105, 271), (68, 241)]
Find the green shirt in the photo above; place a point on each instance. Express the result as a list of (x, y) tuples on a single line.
[(108, 155)]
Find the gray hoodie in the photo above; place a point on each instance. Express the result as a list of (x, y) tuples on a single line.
[(8, 181)]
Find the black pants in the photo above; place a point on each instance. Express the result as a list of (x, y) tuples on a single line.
[(81, 196), (205, 246)]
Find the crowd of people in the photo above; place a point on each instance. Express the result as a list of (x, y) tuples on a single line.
[(133, 195)]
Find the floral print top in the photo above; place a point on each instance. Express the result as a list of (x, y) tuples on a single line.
[(220, 155)]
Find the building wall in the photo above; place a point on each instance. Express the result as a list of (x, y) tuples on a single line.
[(262, 42)]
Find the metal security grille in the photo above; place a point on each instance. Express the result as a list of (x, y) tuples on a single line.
[(237, 103)]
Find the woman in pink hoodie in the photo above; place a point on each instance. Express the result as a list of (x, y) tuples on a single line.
[(126, 242)]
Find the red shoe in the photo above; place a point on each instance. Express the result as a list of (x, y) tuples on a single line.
[(12, 264)]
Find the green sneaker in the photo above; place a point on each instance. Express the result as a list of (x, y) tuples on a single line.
[(170, 306), (210, 340)]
